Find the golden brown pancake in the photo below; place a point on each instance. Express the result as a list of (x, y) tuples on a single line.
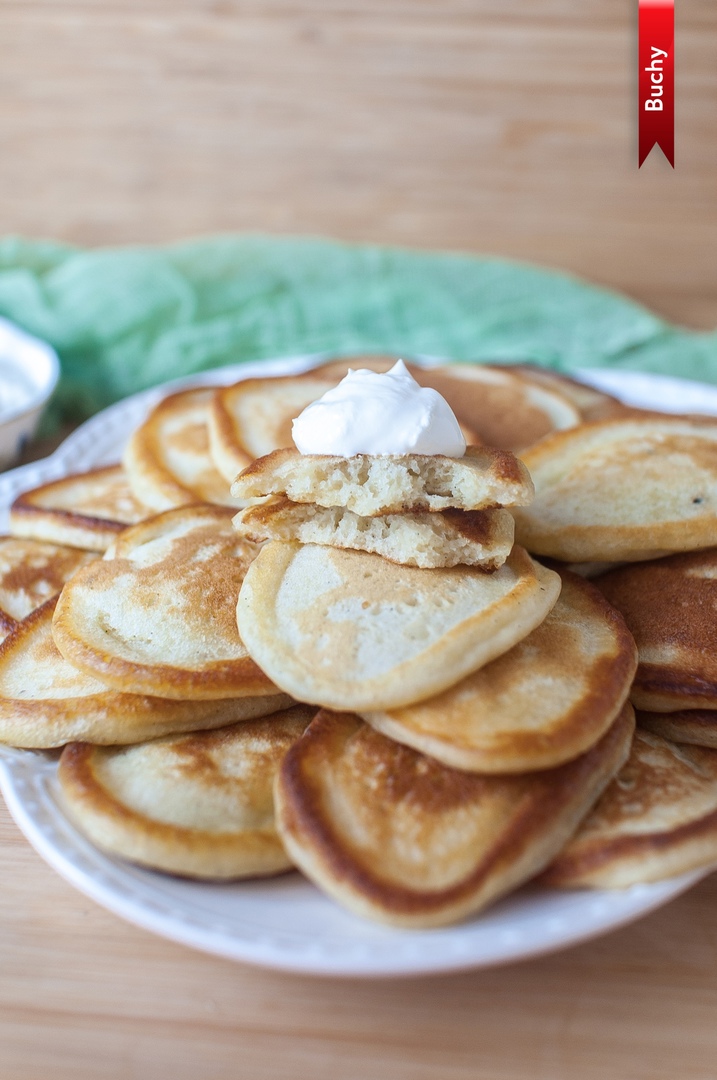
[(200, 805), (449, 538), (252, 418), (84, 510), (695, 726), (31, 572), (159, 617), (395, 836), (658, 818), (372, 484), (348, 630), (168, 460), (502, 407), (591, 403), (46, 702), (622, 490), (545, 701), (670, 606)]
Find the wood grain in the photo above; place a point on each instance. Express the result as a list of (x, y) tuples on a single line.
[(471, 124), (84, 996)]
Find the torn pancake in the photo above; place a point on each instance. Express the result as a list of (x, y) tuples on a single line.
[(168, 460), (349, 630), (622, 490), (31, 572), (200, 805), (252, 418), (46, 702), (396, 836), (84, 510), (544, 702), (467, 537), (158, 617), (670, 607), (658, 818), (369, 485)]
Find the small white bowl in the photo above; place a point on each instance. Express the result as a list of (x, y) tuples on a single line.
[(29, 370)]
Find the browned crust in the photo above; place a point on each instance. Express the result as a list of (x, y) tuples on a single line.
[(679, 686), (531, 751), (301, 814), (695, 726), (583, 865), (173, 848)]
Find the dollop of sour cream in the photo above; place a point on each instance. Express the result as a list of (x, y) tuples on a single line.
[(372, 413)]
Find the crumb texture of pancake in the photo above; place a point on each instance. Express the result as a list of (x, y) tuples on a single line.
[(199, 805), (670, 606), (159, 616), (397, 837), (449, 538), (622, 490), (32, 571), (544, 702), (168, 459), (390, 483), (45, 702), (350, 630), (84, 510), (657, 819)]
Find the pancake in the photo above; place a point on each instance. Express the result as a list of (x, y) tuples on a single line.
[(670, 606), (253, 417), (200, 805), (400, 838), (369, 484), (507, 411), (32, 571), (158, 617), (168, 460), (348, 630), (591, 403), (467, 537), (84, 510), (695, 726), (623, 490), (45, 702), (545, 701), (658, 818)]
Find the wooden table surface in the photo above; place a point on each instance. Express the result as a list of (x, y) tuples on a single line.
[(502, 126)]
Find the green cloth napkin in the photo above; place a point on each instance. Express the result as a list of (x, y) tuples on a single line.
[(128, 318)]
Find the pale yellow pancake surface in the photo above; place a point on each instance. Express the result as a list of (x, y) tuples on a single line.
[(349, 630)]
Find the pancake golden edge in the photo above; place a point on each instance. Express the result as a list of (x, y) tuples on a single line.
[(253, 417), (397, 837), (350, 630), (371, 484), (695, 726), (156, 615), (33, 571), (669, 605), (657, 819), (45, 702), (573, 672), (200, 804), (622, 490), (83, 510), (168, 460), (449, 538)]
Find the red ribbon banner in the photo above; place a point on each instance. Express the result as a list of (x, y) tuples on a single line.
[(656, 78)]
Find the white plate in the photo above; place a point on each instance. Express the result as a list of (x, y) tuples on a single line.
[(285, 922)]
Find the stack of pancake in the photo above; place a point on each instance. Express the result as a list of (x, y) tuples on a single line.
[(472, 703)]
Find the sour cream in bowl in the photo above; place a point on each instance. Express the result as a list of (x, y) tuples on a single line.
[(29, 370)]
